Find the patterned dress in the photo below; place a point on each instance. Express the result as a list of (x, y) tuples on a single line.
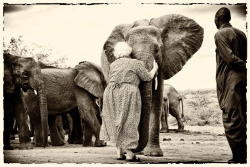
[(122, 103)]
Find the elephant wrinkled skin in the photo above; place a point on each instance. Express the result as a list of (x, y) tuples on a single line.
[(171, 40), (15, 80), (67, 89)]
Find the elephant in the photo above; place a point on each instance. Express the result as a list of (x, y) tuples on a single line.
[(170, 40), (67, 90), (171, 104), (75, 131), (14, 85)]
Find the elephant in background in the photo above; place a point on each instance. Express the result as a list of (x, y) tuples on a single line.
[(75, 131), (67, 89), (171, 40), (16, 81), (171, 104)]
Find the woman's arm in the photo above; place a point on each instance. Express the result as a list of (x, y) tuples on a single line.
[(143, 73)]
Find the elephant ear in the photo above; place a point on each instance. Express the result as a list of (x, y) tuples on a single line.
[(9, 61), (181, 37), (117, 35), (90, 77)]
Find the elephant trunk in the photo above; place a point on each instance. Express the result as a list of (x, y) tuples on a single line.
[(43, 111), (146, 98)]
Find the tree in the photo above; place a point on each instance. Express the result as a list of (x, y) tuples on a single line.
[(45, 54)]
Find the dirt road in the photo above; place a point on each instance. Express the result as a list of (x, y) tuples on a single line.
[(198, 144)]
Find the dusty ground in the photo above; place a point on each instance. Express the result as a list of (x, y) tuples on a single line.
[(198, 144)]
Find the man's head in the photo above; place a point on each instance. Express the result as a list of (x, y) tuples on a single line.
[(222, 16)]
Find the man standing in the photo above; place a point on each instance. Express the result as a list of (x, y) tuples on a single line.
[(231, 55)]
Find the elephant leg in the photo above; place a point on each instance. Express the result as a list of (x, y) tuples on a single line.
[(55, 137), (35, 124), (176, 114), (6, 143), (59, 125), (70, 127), (76, 134), (6, 140), (88, 110), (38, 137), (180, 124), (8, 114), (12, 125), (91, 126), (164, 120), (21, 120), (87, 135), (153, 146)]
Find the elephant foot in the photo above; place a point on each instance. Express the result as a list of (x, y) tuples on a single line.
[(100, 143), (59, 143), (26, 146), (153, 151), (164, 130), (38, 144), (88, 143), (180, 129), (8, 147)]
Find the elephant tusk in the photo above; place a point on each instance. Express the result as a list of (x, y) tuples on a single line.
[(35, 92), (156, 83)]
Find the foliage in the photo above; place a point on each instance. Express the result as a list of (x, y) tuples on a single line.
[(42, 53), (201, 108)]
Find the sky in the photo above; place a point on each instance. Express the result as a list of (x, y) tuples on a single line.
[(79, 32)]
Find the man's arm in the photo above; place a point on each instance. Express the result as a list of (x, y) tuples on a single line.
[(227, 54)]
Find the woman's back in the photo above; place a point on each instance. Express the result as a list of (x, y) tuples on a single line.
[(127, 70)]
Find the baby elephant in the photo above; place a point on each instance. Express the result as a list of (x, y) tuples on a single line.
[(171, 104)]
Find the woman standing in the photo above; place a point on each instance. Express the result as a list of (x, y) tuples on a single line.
[(122, 101)]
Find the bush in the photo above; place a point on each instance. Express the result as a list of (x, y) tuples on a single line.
[(43, 53), (201, 108)]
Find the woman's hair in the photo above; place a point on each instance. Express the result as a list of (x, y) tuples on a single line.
[(122, 49)]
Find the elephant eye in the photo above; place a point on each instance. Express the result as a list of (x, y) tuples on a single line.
[(157, 48), (26, 74)]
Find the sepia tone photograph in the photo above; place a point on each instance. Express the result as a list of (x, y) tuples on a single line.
[(124, 83)]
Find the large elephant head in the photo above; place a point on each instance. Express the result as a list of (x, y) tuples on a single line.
[(25, 73), (171, 40)]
